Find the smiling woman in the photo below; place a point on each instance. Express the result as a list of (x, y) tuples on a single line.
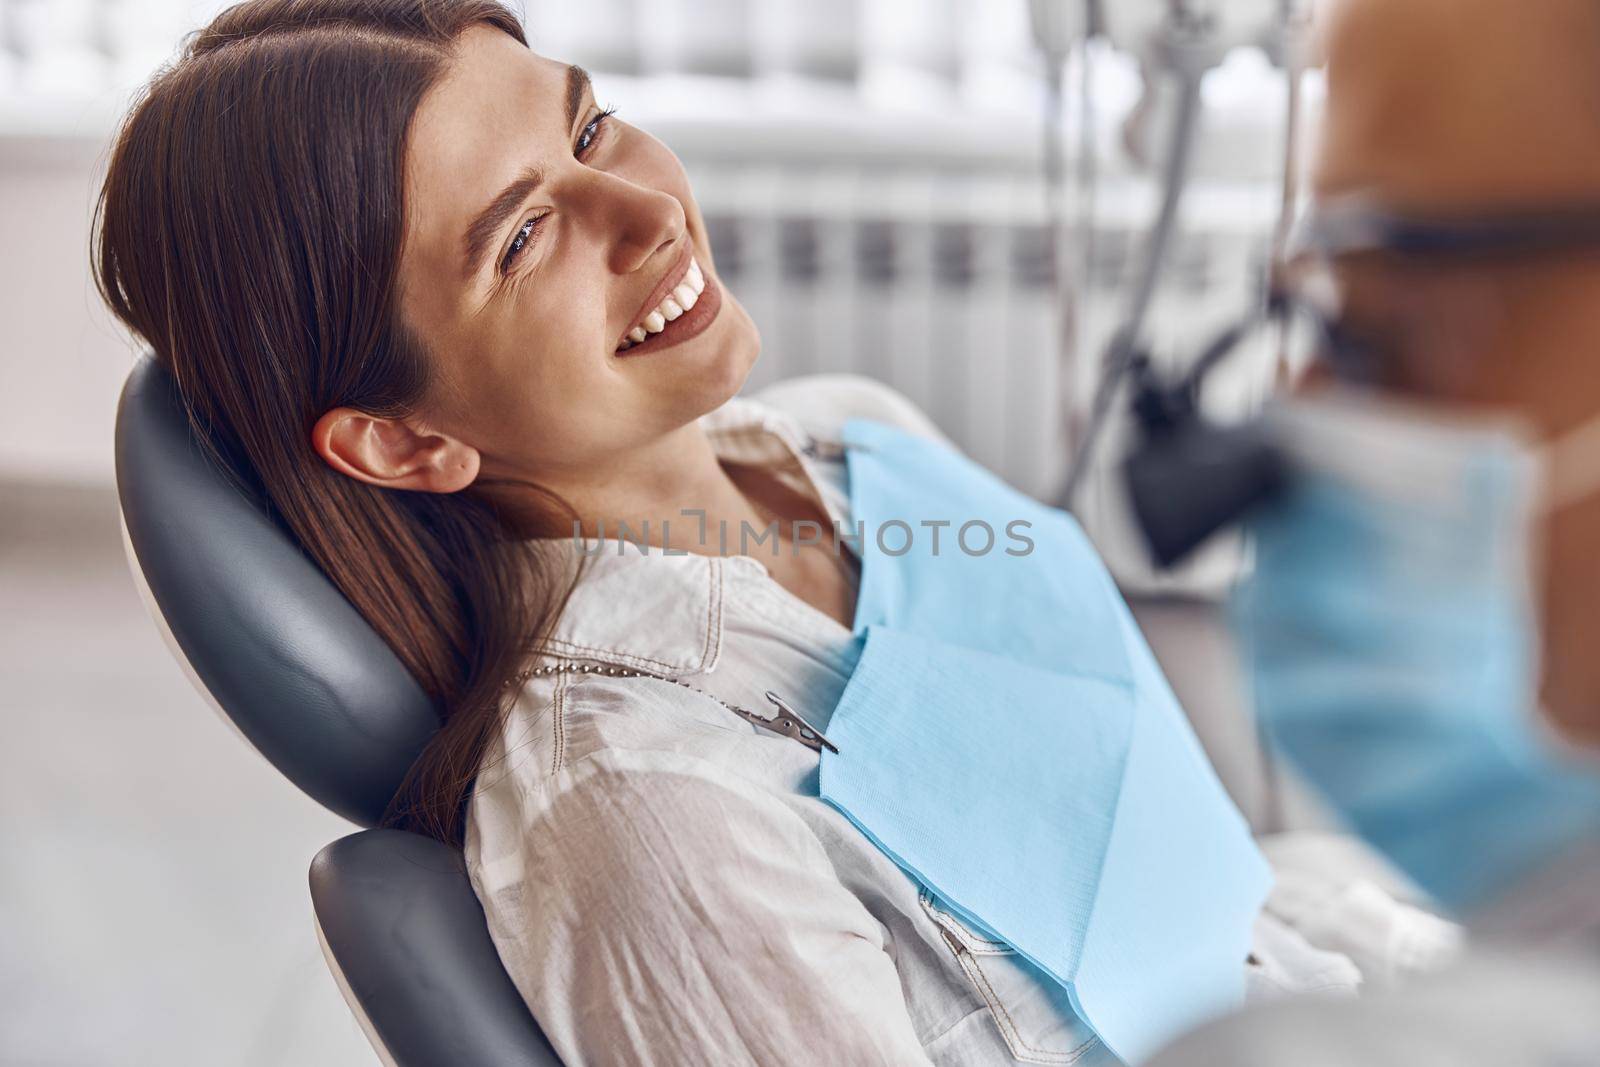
[(399, 326), (543, 235)]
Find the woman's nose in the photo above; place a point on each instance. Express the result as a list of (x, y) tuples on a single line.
[(639, 220)]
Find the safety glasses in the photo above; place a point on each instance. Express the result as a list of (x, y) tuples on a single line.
[(1356, 224), (1339, 235)]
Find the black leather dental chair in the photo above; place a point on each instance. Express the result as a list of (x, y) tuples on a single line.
[(284, 657)]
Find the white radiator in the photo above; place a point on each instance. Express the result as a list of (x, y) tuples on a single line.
[(874, 276)]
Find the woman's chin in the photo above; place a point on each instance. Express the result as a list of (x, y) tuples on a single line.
[(728, 359), (733, 364)]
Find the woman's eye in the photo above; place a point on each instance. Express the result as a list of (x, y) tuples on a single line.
[(591, 132), (520, 241)]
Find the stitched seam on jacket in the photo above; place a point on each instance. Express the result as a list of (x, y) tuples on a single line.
[(713, 603), (949, 922), (967, 957), (559, 725), (1008, 1028), (633, 658), (530, 737)]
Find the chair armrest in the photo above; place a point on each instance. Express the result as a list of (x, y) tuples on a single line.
[(408, 943)]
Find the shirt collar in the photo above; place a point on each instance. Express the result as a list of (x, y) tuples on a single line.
[(663, 613)]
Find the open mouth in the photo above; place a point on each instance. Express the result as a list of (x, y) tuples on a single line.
[(685, 303)]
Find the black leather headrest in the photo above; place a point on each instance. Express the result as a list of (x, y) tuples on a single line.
[(276, 646)]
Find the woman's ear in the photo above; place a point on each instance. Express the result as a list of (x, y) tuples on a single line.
[(393, 454)]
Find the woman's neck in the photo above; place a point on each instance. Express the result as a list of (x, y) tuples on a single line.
[(675, 494)]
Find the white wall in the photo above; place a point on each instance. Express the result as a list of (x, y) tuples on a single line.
[(62, 358)]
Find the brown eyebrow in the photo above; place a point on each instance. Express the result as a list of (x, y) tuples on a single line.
[(487, 223), (577, 85)]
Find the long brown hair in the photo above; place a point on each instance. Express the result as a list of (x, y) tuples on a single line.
[(249, 231)]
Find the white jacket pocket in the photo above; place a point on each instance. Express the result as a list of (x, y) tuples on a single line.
[(1031, 1010)]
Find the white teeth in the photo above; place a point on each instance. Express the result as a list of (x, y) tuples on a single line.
[(683, 298)]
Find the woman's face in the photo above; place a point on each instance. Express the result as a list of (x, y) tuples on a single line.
[(540, 233)]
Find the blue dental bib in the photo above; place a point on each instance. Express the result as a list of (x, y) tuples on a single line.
[(1007, 738)]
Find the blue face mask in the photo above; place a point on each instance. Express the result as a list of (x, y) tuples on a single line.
[(1390, 631)]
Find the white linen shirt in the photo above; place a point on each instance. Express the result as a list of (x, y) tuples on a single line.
[(660, 877)]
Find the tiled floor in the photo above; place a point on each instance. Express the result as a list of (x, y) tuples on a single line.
[(153, 906)]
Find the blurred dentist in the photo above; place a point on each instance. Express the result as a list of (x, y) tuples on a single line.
[(1423, 627)]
